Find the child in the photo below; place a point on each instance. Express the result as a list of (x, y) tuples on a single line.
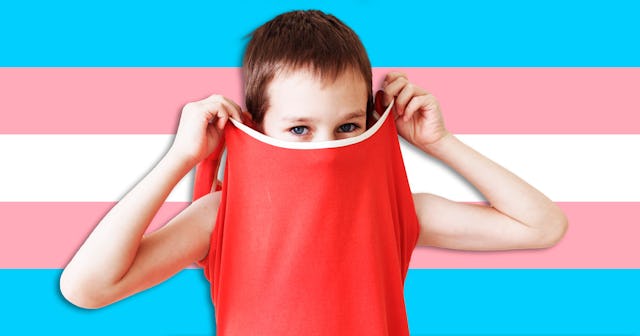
[(307, 78)]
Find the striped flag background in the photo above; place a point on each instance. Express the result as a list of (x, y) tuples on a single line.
[(90, 98)]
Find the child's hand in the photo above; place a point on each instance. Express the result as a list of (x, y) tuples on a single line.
[(419, 119), (201, 127)]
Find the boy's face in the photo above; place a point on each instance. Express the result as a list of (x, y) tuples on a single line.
[(301, 108)]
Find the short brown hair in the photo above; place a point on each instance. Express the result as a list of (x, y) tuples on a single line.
[(299, 39)]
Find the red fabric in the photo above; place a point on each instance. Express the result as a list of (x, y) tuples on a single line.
[(310, 241)]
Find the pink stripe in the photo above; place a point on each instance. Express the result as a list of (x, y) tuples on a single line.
[(474, 100), (105, 100), (601, 235), (47, 234)]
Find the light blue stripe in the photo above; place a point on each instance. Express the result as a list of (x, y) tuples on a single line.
[(439, 302), (33, 305), (395, 33), (531, 302)]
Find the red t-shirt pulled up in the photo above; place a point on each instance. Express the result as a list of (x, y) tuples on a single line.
[(310, 238)]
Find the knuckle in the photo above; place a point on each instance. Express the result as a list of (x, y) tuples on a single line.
[(188, 107), (430, 98), (410, 87), (216, 106), (229, 101), (388, 91), (216, 97)]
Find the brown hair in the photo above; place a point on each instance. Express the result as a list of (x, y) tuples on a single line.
[(299, 39)]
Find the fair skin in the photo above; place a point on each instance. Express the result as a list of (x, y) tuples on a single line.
[(332, 112), (118, 260)]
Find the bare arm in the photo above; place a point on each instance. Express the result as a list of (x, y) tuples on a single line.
[(519, 216), (116, 260), (113, 261)]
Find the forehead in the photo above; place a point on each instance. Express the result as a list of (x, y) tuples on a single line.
[(321, 77), (303, 90)]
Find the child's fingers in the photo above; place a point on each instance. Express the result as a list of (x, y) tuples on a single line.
[(219, 110), (391, 76), (402, 99), (233, 109), (394, 88), (416, 104), (408, 91), (212, 110), (224, 115), (236, 110)]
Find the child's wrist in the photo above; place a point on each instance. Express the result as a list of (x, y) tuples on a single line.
[(180, 158), (437, 147)]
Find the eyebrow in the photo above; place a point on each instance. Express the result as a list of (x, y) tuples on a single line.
[(352, 115)]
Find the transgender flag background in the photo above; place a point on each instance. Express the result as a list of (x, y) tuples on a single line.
[(90, 98)]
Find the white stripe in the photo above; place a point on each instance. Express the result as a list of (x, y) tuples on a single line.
[(102, 168), (566, 168)]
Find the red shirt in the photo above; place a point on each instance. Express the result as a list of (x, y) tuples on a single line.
[(310, 241)]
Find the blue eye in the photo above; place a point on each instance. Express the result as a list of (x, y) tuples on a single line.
[(350, 127), (299, 130)]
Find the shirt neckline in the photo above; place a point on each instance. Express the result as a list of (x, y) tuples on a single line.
[(314, 144)]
